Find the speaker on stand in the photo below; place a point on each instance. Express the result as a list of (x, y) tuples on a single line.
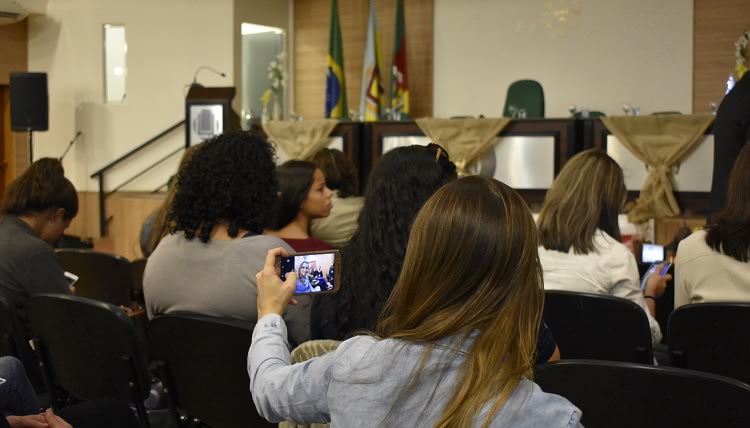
[(29, 105)]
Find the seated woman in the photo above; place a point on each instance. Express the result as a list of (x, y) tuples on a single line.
[(223, 200), (459, 352), (341, 177), (303, 196), (400, 184), (714, 265), (580, 246), (38, 206)]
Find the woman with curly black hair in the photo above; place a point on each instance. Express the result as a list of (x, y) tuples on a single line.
[(224, 198), (400, 184)]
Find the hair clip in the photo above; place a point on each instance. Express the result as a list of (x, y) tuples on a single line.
[(439, 152)]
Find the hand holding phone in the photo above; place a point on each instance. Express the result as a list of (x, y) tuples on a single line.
[(655, 285), (273, 295)]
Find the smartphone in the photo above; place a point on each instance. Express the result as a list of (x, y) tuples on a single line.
[(652, 253), (652, 269), (71, 278), (317, 271)]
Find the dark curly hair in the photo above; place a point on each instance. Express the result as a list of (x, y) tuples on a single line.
[(340, 172), (295, 178), (41, 187), (400, 184), (228, 179)]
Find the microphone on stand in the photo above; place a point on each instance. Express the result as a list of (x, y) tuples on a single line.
[(204, 67), (78, 134)]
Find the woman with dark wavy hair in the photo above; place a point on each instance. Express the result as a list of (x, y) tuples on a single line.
[(400, 184), (713, 265), (223, 200)]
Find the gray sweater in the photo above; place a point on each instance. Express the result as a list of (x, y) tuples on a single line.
[(28, 265), (364, 378), (215, 279)]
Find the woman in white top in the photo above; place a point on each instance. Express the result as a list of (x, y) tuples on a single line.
[(714, 265), (456, 353), (580, 238)]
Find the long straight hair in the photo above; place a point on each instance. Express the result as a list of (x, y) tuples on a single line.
[(475, 244), (730, 233), (588, 195)]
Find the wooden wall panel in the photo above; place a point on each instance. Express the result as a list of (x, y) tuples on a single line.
[(127, 210), (14, 52), (311, 30), (717, 25)]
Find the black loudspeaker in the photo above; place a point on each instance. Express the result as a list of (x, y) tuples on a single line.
[(29, 105)]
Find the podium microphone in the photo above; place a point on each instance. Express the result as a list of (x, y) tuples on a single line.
[(78, 134), (204, 67)]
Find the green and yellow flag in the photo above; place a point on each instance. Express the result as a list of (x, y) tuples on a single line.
[(336, 107)]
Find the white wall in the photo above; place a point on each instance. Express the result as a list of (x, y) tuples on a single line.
[(613, 52), (167, 41)]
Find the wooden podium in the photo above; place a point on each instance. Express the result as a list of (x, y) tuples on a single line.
[(207, 113)]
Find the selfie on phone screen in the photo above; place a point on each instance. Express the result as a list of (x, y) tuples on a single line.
[(315, 272)]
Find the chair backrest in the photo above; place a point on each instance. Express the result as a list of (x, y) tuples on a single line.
[(525, 94), (615, 394), (88, 347), (14, 342), (711, 337), (101, 276), (203, 364), (598, 327)]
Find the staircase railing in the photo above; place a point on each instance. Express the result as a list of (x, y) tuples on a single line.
[(103, 195)]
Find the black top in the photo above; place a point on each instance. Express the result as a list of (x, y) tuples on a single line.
[(731, 131), (28, 265), (323, 326)]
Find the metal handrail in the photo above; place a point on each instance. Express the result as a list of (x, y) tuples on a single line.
[(138, 149), (103, 220)]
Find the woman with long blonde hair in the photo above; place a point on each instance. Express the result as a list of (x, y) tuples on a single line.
[(456, 340), (579, 235)]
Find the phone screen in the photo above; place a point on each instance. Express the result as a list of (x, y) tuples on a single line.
[(316, 272), (652, 269), (652, 253)]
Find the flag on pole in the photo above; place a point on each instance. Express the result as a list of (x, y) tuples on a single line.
[(335, 83), (399, 72), (373, 92)]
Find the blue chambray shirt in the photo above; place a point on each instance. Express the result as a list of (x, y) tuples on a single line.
[(364, 383)]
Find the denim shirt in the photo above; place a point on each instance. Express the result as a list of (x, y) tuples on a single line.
[(368, 382)]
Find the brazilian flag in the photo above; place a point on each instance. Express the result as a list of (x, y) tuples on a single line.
[(336, 107)]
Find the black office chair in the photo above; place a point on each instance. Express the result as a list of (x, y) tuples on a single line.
[(89, 349), (102, 276), (614, 394), (203, 364), (15, 343), (711, 337), (593, 326)]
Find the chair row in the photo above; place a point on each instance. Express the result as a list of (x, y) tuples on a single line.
[(709, 337), (90, 349)]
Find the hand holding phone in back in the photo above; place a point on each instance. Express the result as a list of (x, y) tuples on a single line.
[(273, 295), (657, 282)]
